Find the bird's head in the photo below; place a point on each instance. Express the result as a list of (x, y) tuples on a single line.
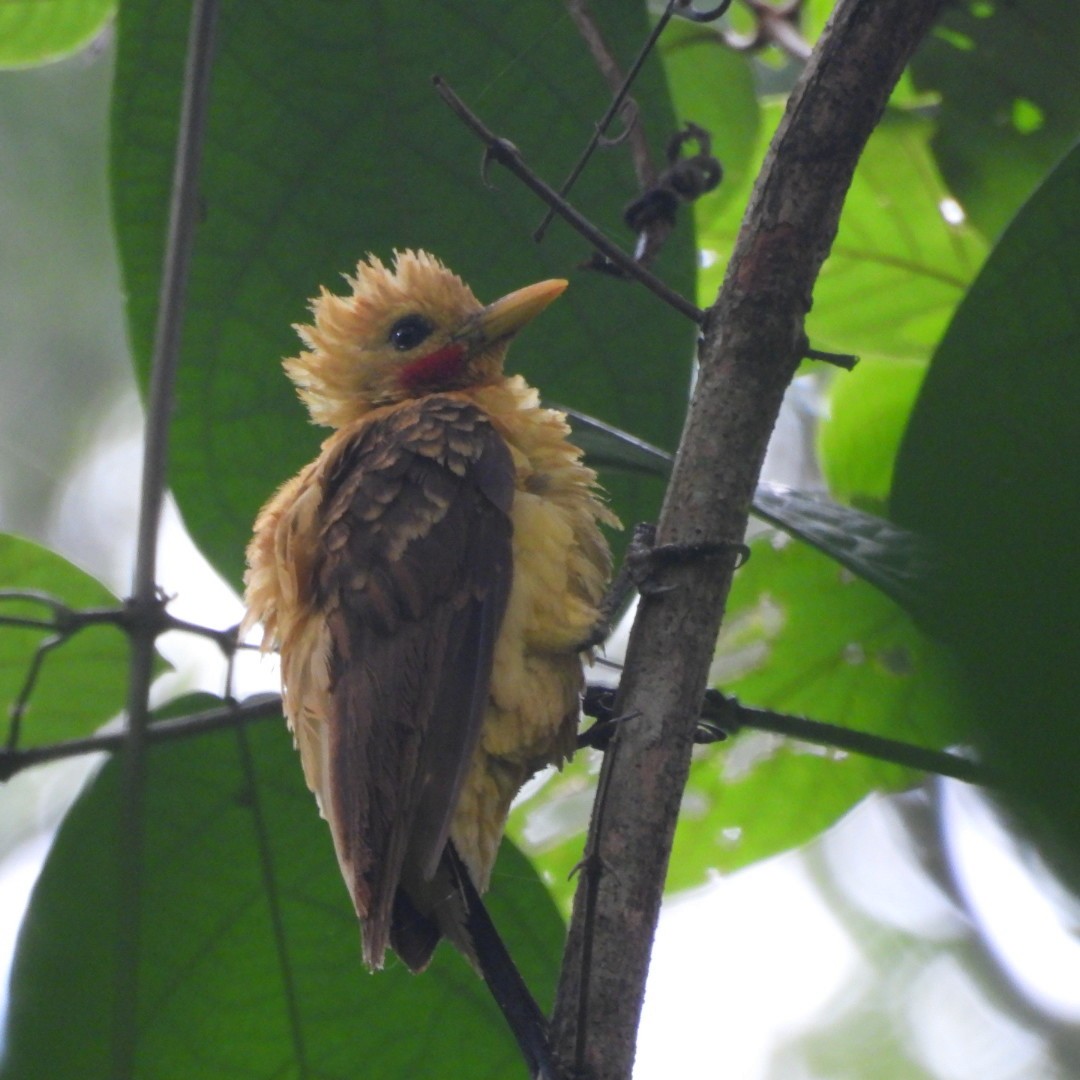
[(405, 332)]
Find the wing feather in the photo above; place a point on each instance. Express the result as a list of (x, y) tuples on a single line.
[(414, 581)]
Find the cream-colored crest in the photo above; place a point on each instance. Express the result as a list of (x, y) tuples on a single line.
[(350, 365)]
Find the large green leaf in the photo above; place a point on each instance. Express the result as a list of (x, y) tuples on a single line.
[(250, 962), (1010, 99), (870, 546), (897, 269), (890, 558), (326, 140), (82, 682), (866, 413), (989, 469), (800, 636), (37, 31)]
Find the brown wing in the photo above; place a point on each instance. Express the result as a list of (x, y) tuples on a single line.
[(414, 581)]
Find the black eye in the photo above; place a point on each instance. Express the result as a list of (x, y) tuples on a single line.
[(409, 331)]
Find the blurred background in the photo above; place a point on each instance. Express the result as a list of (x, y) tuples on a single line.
[(916, 938)]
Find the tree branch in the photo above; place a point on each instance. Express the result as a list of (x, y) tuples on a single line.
[(723, 716), (508, 155), (145, 601), (753, 340), (620, 89), (262, 707), (729, 717)]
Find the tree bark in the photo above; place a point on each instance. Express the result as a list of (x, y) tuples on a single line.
[(753, 341)]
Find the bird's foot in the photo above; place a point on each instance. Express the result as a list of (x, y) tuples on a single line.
[(622, 585), (592, 867), (601, 733), (599, 703), (638, 570), (718, 720), (645, 557)]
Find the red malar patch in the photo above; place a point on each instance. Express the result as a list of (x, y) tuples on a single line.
[(437, 369)]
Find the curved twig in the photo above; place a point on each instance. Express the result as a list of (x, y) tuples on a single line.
[(598, 49), (685, 10), (506, 154)]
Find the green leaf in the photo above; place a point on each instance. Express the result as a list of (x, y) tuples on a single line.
[(326, 140), (800, 636), (250, 960), (989, 470), (1010, 99), (891, 558), (609, 447), (83, 682), (815, 14), (37, 31), (897, 269), (865, 417)]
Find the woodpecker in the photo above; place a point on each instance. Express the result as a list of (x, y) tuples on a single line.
[(430, 581)]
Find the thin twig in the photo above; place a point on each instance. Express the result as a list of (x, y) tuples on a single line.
[(730, 716), (841, 360), (688, 11), (524, 1017), (722, 716), (226, 640), (25, 623), (262, 707), (65, 619), (592, 869), (597, 47), (507, 155), (145, 600), (66, 622), (22, 699), (35, 596), (774, 24)]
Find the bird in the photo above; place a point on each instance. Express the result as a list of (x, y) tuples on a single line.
[(432, 581)]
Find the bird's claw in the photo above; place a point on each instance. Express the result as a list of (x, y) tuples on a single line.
[(620, 588), (645, 557), (599, 736), (638, 571), (708, 732), (593, 865), (598, 634)]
